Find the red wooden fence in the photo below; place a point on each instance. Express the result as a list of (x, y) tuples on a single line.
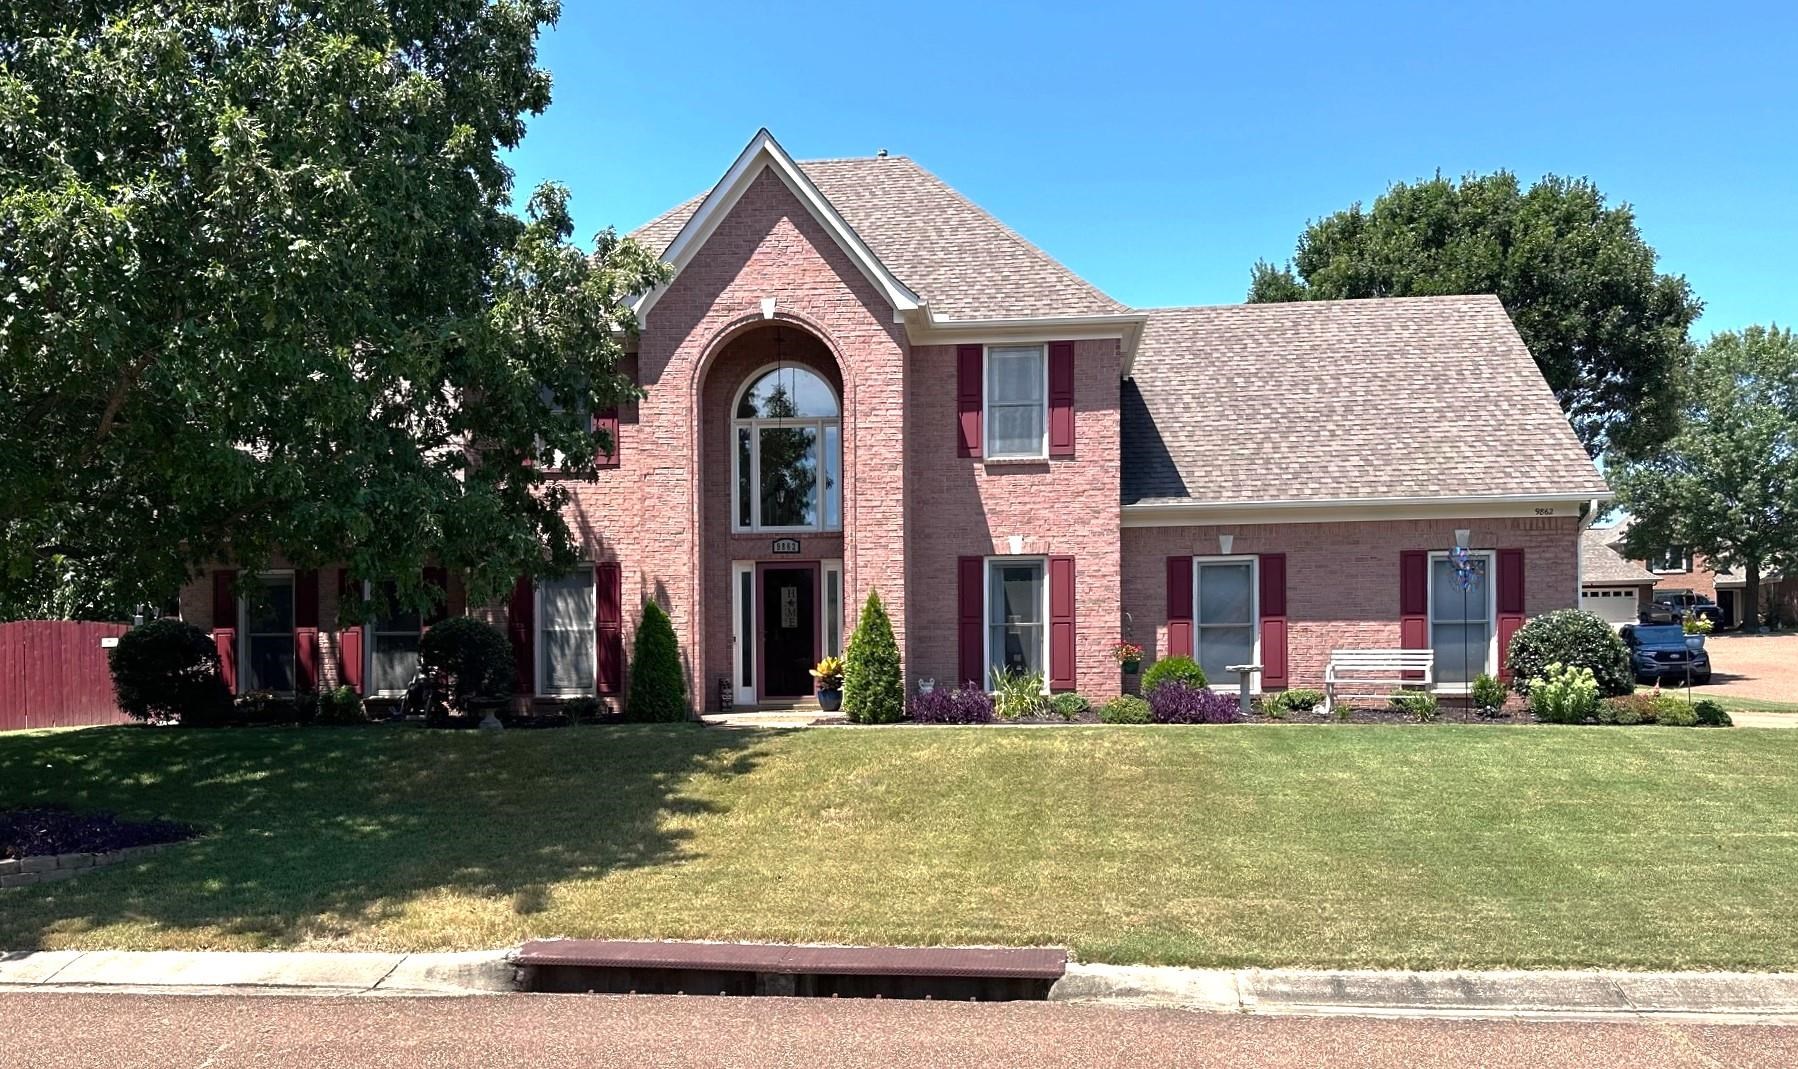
[(53, 673)]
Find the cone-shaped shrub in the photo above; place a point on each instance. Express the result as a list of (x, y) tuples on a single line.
[(873, 689), (658, 691)]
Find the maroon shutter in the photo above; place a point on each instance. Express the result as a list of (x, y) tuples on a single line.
[(969, 373), (970, 601), (1414, 602), (224, 624), (437, 578), (305, 629), (349, 639), (1061, 398), (1510, 604), (521, 613), (1179, 606), (1061, 623), (608, 623), (1273, 619), (607, 422)]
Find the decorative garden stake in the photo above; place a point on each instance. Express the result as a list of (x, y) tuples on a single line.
[(1468, 570)]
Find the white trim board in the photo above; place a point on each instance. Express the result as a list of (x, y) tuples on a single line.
[(1202, 514)]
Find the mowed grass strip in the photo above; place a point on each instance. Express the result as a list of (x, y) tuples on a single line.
[(1430, 846)]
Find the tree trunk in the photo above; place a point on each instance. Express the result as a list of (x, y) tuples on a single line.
[(1751, 596)]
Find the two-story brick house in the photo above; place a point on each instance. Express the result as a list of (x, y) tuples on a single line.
[(857, 380)]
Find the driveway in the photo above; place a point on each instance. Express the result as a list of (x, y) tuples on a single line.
[(1753, 666)]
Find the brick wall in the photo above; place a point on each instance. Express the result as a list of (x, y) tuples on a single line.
[(1342, 585)]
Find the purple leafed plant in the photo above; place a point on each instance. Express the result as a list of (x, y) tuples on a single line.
[(1174, 702), (963, 705)]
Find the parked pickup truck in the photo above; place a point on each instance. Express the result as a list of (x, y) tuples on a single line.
[(1672, 606)]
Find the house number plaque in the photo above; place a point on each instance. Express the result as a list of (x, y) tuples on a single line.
[(786, 545)]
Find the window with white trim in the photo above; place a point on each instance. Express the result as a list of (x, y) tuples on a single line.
[(787, 449), (268, 650), (1017, 613), (392, 643), (1225, 606), (566, 640), (1017, 402), (1463, 621), (1671, 559)]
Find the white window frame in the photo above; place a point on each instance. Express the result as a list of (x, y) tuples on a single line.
[(1685, 560), (1254, 562), (742, 643), (1491, 665), (986, 612), (540, 649), (832, 640), (371, 646), (986, 398), (820, 424), (243, 630)]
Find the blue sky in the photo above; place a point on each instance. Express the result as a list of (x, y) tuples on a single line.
[(1158, 150)]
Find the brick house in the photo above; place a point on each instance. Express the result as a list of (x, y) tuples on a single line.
[(1680, 569), (857, 380)]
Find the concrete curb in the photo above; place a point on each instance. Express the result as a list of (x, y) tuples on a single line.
[(484, 972), (1536, 995)]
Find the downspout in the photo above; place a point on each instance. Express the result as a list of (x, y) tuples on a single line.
[(1588, 515)]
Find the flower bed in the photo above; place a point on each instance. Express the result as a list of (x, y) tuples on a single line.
[(60, 830)]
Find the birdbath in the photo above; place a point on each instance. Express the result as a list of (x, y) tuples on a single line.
[(1245, 681)]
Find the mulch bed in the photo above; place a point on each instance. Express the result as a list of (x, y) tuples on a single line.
[(60, 830)]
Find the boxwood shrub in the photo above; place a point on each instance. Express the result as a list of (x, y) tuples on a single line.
[(1576, 639), (1169, 669), (472, 657), (169, 670), (1125, 709), (1711, 714)]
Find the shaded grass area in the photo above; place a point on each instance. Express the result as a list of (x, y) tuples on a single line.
[(1437, 846)]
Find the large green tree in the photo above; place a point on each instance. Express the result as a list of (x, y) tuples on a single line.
[(1606, 328), (1726, 484), (261, 287)]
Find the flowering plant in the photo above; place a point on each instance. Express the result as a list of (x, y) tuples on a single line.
[(1177, 702), (1126, 652)]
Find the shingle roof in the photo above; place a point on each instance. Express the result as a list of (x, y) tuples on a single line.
[(962, 261), (1324, 400), (1600, 563)]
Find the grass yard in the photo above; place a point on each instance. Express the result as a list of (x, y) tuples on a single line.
[(1325, 846), (1749, 705)]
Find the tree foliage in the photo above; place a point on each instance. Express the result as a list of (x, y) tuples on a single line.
[(873, 689), (1605, 327), (1726, 484), (261, 286)]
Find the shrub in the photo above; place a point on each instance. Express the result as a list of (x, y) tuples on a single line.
[(1487, 695), (169, 670), (658, 690), (340, 706), (470, 656), (1297, 700), (1016, 695), (1711, 714), (1183, 669), (1564, 694), (1125, 709), (1069, 706), (963, 705), (873, 689), (1177, 702), (1420, 705), (258, 708), (1639, 708), (1677, 714), (1574, 638)]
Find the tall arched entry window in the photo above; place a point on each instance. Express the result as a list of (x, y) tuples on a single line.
[(788, 444)]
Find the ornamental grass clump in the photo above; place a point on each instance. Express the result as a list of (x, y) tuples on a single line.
[(963, 705), (1177, 702)]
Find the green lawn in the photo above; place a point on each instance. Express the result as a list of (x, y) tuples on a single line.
[(1269, 845), (1752, 705)]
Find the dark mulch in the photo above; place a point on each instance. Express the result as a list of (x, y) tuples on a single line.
[(60, 830)]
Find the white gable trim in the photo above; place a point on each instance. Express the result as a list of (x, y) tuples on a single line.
[(765, 152)]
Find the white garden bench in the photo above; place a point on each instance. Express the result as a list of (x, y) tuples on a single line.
[(1391, 669)]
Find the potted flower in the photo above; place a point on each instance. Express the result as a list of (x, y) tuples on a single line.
[(829, 675), (1128, 654)]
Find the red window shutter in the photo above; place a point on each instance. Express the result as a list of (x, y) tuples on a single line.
[(970, 370), (608, 626), (970, 625), (1061, 398), (437, 578), (607, 422), (1061, 623), (224, 624), (305, 629), (1273, 619), (1179, 606), (1414, 601), (349, 639), (1509, 588), (521, 627)]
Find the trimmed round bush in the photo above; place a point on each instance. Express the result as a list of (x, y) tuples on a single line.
[(1711, 714), (472, 657), (873, 690), (1168, 669), (1125, 709), (1177, 702), (169, 670), (658, 689), (1574, 638)]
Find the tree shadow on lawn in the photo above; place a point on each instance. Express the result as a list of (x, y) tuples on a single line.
[(316, 834)]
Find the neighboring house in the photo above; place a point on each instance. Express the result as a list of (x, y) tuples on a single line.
[(1612, 585), (857, 380), (1681, 570)]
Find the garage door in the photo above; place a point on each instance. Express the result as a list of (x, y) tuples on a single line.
[(1615, 604)]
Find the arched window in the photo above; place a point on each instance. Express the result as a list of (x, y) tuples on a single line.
[(788, 442)]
